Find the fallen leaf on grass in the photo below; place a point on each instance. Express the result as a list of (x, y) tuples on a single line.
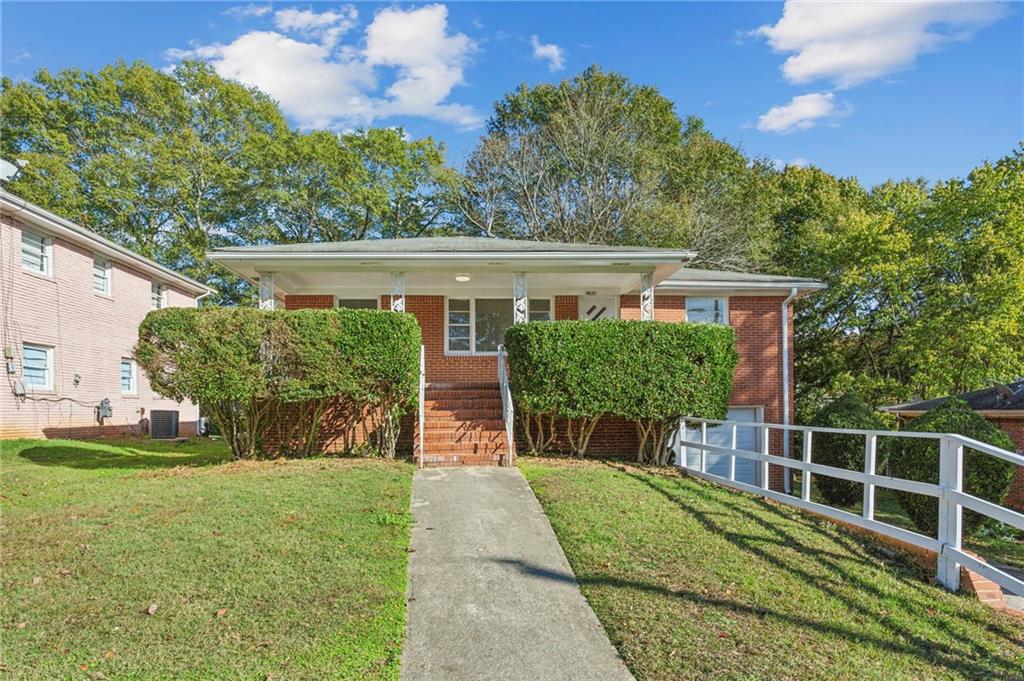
[(109, 654), (36, 581), (221, 612), (151, 610)]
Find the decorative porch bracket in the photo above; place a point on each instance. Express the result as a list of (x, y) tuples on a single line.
[(521, 307), (647, 297), (398, 291), (267, 301)]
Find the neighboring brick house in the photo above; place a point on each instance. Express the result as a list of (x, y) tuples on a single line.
[(1003, 405), (466, 291), (72, 304)]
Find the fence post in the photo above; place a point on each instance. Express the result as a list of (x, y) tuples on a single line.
[(681, 454), (870, 462), (763, 465), (805, 479), (732, 457), (703, 452), (951, 473)]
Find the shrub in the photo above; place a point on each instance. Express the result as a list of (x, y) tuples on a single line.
[(845, 451), (253, 370), (984, 476), (649, 372)]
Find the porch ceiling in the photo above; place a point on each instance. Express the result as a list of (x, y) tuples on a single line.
[(371, 283)]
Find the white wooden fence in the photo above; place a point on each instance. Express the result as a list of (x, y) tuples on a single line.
[(949, 491)]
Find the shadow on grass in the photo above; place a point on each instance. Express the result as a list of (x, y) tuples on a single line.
[(929, 651), (843, 578), (130, 456)]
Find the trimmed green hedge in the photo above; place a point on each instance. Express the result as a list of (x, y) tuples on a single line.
[(984, 476), (845, 451), (255, 372), (649, 372)]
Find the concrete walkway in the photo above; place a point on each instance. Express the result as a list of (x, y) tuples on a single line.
[(491, 595)]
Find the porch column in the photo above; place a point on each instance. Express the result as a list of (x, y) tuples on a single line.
[(521, 303), (647, 297), (267, 301), (398, 291)]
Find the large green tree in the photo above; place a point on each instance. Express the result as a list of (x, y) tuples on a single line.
[(172, 164)]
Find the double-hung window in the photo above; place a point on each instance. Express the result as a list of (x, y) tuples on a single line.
[(477, 325), (128, 376), (37, 367), (100, 275), (36, 252), (707, 310), (156, 296)]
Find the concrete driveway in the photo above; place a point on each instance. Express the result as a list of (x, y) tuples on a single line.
[(491, 595)]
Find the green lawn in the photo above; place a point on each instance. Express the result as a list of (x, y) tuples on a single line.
[(268, 570), (692, 580)]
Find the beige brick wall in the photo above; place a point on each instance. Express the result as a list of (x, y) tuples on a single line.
[(89, 333)]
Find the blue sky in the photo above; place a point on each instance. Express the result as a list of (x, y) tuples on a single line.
[(877, 91)]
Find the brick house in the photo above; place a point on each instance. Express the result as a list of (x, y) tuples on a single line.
[(72, 303), (1003, 405), (466, 291)]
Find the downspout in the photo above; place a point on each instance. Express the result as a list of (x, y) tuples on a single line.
[(199, 409), (787, 481)]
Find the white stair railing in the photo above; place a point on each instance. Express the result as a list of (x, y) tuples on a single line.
[(507, 410), (947, 545)]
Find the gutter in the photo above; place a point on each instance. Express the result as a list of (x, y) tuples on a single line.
[(787, 482)]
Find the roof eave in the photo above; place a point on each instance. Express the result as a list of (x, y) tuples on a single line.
[(51, 222)]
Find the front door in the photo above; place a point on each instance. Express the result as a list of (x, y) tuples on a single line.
[(598, 307)]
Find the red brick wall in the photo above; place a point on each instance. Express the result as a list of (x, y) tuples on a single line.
[(1015, 429), (308, 302)]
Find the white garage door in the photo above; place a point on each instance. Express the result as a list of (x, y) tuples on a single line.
[(746, 438)]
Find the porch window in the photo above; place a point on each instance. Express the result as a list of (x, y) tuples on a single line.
[(478, 324), (358, 303), (706, 310)]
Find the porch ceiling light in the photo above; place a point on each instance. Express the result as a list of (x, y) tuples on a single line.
[(462, 278)]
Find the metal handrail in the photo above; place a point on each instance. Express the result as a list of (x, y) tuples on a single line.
[(507, 410), (422, 406), (949, 490)]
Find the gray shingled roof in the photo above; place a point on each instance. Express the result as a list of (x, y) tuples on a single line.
[(442, 244), (987, 399)]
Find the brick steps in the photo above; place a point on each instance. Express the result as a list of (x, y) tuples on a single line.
[(463, 426)]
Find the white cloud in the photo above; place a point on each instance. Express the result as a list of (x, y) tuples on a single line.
[(246, 11), (323, 84), (549, 52), (802, 112), (799, 162), (326, 27), (853, 42)]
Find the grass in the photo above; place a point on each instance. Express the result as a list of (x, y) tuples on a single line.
[(269, 570), (692, 580)]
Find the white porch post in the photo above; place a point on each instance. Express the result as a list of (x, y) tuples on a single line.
[(267, 301), (521, 303), (647, 297), (398, 291)]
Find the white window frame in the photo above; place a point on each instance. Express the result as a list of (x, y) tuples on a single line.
[(162, 298), (134, 390), (47, 253), (375, 299), (48, 349), (108, 270), (472, 321), (725, 308)]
